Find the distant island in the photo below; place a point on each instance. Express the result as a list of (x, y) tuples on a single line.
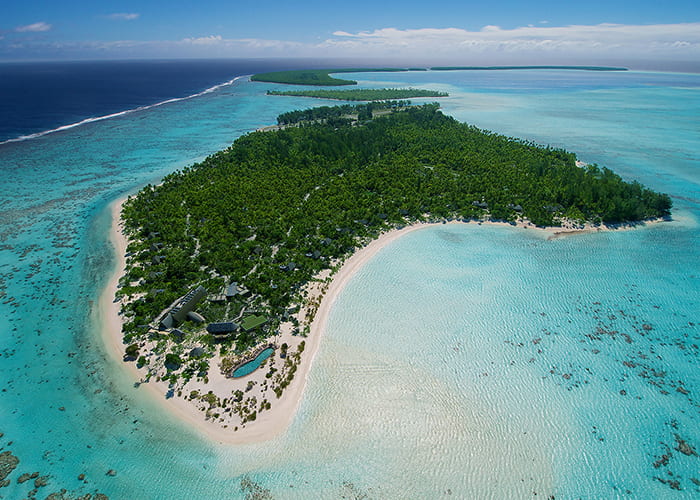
[(360, 94), (228, 260), (497, 68), (322, 77), (318, 77)]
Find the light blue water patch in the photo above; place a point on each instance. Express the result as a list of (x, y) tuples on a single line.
[(251, 366), (594, 336), (569, 339), (471, 361)]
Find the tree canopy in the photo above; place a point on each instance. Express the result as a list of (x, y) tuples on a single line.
[(276, 208), (360, 94), (320, 77)]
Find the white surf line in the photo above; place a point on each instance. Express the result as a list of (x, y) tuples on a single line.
[(121, 113)]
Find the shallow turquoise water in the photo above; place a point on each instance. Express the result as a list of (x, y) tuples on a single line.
[(470, 361), (253, 365)]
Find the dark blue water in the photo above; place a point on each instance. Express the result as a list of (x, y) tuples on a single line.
[(37, 97)]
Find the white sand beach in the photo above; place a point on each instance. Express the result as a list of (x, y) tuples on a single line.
[(275, 421)]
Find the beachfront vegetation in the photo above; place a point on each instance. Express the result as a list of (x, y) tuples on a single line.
[(360, 94), (276, 208)]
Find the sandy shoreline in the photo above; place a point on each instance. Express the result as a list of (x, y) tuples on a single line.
[(273, 422), (270, 423), (111, 328)]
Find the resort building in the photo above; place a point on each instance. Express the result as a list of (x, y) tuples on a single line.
[(235, 289), (196, 317), (218, 299), (232, 290), (179, 312), (221, 329)]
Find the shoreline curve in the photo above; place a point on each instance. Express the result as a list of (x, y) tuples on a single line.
[(274, 422), (144, 107)]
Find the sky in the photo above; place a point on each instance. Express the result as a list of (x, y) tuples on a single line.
[(448, 31)]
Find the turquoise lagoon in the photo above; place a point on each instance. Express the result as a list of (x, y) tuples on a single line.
[(463, 361)]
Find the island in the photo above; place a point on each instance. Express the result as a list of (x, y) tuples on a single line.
[(230, 265), (319, 77), (361, 94), (322, 77), (501, 68)]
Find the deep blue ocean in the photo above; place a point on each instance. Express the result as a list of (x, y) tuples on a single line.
[(463, 361), (37, 97)]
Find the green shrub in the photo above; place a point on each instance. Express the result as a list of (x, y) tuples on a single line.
[(172, 361)]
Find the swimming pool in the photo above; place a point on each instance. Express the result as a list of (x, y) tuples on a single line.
[(251, 366)]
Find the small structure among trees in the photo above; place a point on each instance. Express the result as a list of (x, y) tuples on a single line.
[(178, 313), (222, 329)]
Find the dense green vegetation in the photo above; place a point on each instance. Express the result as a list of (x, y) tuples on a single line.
[(361, 94), (318, 77), (579, 68), (339, 115), (322, 77), (276, 208), (302, 77)]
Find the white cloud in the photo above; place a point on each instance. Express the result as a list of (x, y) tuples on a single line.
[(204, 40), (123, 16), (245, 44), (33, 28), (602, 39), (490, 45), (261, 43)]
